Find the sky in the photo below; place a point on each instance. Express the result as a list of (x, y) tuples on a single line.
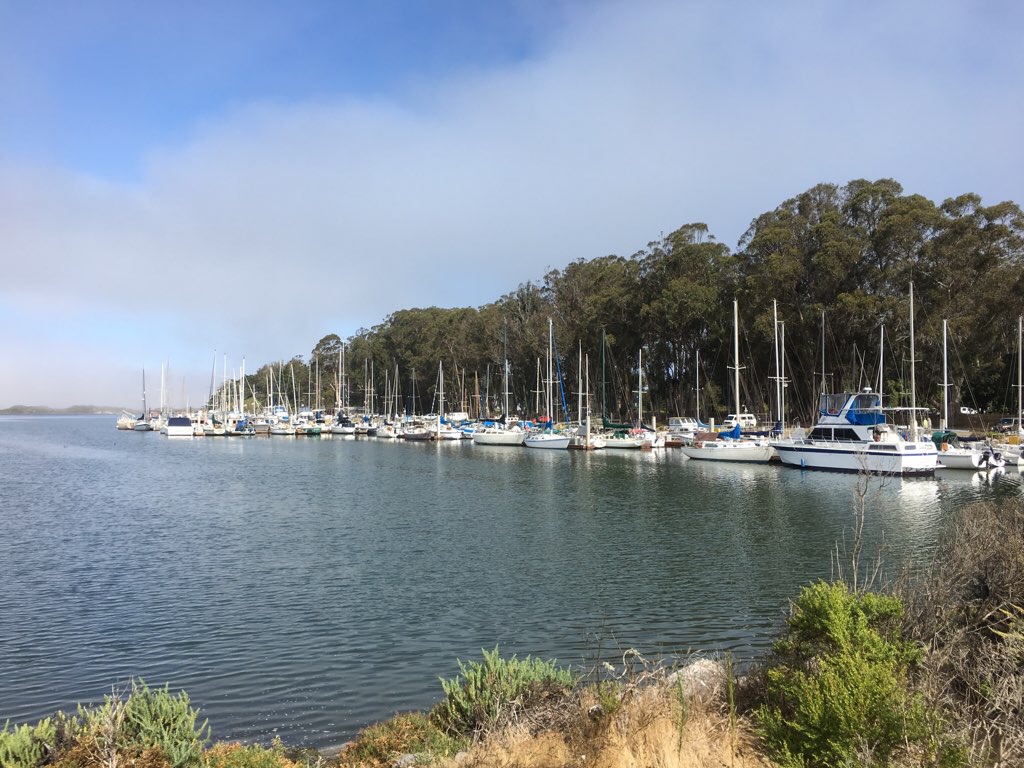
[(196, 182)]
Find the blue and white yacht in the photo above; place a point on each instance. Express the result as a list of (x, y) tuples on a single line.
[(852, 435)]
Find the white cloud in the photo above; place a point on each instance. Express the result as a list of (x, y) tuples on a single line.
[(278, 223)]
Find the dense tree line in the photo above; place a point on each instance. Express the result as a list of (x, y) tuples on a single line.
[(839, 262)]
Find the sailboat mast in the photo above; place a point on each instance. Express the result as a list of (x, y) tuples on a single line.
[(1020, 391), (778, 376), (736, 352), (913, 383), (603, 414), (698, 386), (640, 388), (945, 380), (881, 362), (440, 395), (782, 401), (579, 387), (504, 383), (824, 386), (337, 380), (588, 400), (550, 374)]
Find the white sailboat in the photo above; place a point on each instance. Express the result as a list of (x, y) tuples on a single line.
[(638, 437), (952, 455), (444, 431), (142, 424), (582, 438), (502, 433), (727, 448), (1013, 453), (548, 438)]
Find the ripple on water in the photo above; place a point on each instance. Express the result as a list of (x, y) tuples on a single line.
[(305, 588)]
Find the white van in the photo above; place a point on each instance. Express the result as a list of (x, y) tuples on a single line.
[(747, 421)]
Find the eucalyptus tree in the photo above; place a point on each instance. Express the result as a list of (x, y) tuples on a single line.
[(686, 282)]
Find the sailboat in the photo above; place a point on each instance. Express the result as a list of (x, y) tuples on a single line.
[(501, 433), (142, 424), (444, 431), (582, 439), (638, 437), (952, 454), (1012, 452), (852, 434), (548, 438), (731, 447)]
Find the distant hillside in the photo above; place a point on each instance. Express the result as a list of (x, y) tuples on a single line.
[(74, 410)]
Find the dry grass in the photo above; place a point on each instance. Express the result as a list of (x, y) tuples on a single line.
[(966, 611), (645, 724)]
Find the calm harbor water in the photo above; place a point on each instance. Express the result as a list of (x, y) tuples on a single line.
[(306, 587)]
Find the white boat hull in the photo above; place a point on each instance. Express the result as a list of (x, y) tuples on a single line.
[(971, 459), (727, 450), (499, 437), (625, 443), (920, 458), (547, 441)]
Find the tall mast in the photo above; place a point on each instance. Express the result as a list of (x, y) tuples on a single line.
[(440, 395), (1020, 354), (945, 380), (913, 383), (550, 374), (579, 388), (504, 383), (881, 362), (337, 379), (778, 375), (782, 401), (588, 400), (698, 386), (640, 388), (736, 351), (824, 386), (603, 416)]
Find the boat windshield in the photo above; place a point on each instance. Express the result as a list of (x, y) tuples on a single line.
[(831, 405)]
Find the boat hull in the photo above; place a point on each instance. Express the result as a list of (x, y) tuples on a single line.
[(499, 437), (891, 459), (549, 442), (722, 450)]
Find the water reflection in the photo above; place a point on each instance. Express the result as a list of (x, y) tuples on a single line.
[(307, 587)]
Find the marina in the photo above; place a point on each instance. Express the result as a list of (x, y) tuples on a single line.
[(307, 587)]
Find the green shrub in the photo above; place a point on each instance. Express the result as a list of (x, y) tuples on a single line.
[(145, 720), (248, 756), (160, 719), (485, 691), (26, 746), (411, 733), (837, 685)]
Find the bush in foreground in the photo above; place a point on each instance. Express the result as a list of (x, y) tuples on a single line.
[(967, 610), (143, 727), (837, 686), (485, 692)]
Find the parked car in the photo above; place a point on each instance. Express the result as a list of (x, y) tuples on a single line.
[(966, 410), (747, 421), (1007, 425)]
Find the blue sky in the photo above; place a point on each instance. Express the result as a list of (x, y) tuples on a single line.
[(179, 178)]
